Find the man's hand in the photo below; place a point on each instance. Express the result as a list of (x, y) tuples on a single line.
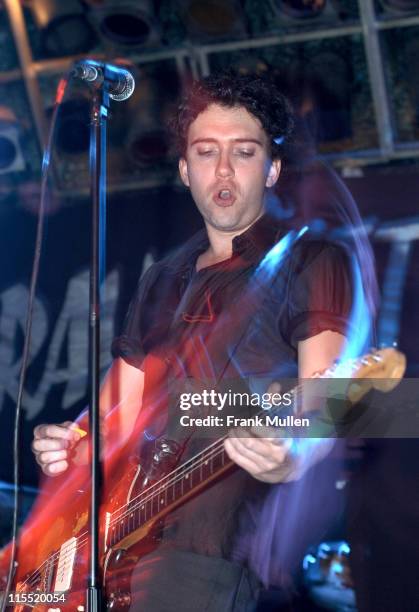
[(270, 459), (52, 446), (275, 459), (262, 452)]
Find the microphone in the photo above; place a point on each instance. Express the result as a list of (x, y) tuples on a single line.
[(119, 81)]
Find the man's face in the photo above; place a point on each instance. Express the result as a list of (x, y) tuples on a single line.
[(227, 167)]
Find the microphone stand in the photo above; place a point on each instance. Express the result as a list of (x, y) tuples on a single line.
[(97, 155)]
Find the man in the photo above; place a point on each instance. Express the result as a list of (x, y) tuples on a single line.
[(196, 315)]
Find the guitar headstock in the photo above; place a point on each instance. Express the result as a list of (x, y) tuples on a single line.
[(381, 369)]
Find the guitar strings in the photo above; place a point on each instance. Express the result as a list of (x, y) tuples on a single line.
[(159, 483), (80, 544), (180, 475), (64, 557), (53, 557)]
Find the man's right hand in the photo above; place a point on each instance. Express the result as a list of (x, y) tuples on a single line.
[(52, 446)]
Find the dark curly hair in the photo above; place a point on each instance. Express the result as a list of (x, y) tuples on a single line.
[(257, 94)]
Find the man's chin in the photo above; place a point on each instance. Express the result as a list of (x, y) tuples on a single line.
[(226, 225), (230, 221)]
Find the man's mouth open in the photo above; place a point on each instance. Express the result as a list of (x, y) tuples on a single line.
[(224, 198)]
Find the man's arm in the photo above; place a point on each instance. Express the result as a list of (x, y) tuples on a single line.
[(122, 391), (271, 459)]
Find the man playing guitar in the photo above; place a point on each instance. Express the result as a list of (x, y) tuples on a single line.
[(191, 316)]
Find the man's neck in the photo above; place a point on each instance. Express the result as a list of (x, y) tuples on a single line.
[(220, 245)]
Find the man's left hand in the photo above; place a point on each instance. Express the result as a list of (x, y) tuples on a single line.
[(270, 459)]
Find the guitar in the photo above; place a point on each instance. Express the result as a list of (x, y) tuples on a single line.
[(53, 549)]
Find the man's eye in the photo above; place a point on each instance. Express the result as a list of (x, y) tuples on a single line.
[(245, 153), (207, 152)]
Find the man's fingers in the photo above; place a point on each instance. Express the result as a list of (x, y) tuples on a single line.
[(54, 469), (64, 432), (258, 454), (273, 467), (49, 444), (49, 457), (250, 454), (52, 456), (241, 459)]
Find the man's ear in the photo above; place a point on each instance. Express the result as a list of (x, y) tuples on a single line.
[(183, 171), (274, 172)]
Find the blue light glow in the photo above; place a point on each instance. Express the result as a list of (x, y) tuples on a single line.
[(269, 265), (336, 567), (344, 549), (308, 560), (45, 160)]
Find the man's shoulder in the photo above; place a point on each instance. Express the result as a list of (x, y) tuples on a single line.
[(313, 245)]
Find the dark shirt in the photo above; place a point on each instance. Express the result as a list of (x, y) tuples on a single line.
[(311, 292), (240, 318)]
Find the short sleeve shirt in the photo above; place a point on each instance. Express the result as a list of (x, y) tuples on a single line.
[(232, 308)]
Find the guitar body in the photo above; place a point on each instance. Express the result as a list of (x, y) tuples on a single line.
[(44, 542), (56, 542)]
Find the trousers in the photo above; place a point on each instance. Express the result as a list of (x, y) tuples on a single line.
[(167, 580)]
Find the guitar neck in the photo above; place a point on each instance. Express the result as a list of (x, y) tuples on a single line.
[(171, 491)]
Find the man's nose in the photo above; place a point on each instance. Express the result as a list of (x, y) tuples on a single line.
[(224, 167)]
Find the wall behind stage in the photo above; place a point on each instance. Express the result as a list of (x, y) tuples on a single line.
[(142, 227)]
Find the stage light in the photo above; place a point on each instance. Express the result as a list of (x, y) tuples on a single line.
[(292, 15), (64, 27), (11, 158), (126, 23), (302, 9), (147, 143), (212, 19)]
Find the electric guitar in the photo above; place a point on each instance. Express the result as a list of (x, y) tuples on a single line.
[(53, 546)]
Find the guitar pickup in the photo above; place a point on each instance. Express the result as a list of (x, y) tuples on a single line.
[(65, 566)]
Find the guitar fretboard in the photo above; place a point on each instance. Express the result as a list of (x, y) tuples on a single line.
[(185, 480)]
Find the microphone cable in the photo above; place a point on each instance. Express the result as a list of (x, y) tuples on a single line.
[(61, 90)]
